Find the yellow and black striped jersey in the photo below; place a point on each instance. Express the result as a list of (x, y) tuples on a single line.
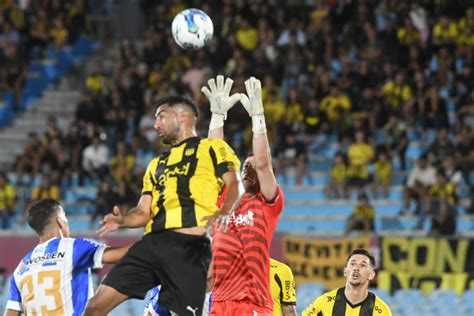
[(335, 303), (282, 286), (185, 181)]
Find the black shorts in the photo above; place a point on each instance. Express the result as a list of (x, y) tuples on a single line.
[(178, 262)]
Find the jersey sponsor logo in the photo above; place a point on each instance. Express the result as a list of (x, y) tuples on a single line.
[(287, 289), (331, 298), (46, 257), (378, 309), (172, 172), (222, 153), (242, 220)]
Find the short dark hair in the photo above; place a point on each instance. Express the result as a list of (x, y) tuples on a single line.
[(178, 99), (39, 214), (361, 251), (250, 154)]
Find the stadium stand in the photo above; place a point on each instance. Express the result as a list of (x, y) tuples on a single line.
[(398, 71)]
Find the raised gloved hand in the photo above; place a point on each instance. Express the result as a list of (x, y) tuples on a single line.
[(252, 102), (221, 102)]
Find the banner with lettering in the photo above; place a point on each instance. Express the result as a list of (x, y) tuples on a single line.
[(320, 260), (427, 263)]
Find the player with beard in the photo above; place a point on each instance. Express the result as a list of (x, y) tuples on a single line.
[(180, 190), (241, 252), (354, 299)]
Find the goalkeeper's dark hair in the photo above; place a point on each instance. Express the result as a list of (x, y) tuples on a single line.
[(361, 251), (173, 100), (250, 154), (40, 213)]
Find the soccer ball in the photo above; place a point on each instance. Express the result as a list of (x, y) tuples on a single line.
[(192, 29)]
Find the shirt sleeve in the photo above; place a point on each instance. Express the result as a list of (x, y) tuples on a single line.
[(14, 301), (87, 253), (276, 203), (314, 308), (148, 181), (383, 308), (289, 286), (224, 157)]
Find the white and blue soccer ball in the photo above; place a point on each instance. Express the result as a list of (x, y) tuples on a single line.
[(192, 29)]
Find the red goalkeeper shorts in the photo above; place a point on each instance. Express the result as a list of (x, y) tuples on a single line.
[(238, 308)]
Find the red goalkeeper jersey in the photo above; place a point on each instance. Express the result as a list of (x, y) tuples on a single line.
[(241, 254)]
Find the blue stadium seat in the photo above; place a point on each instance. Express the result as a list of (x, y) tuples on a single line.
[(395, 194), (79, 224), (323, 209), (387, 210), (312, 225), (464, 224), (304, 195), (413, 152), (306, 293)]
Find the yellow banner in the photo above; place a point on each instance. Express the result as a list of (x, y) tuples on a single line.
[(426, 282), (320, 260), (427, 255)]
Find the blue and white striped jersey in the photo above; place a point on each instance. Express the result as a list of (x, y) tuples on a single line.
[(55, 277)]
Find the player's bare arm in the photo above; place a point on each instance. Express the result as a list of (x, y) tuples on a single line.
[(11, 312), (261, 149), (136, 217), (235, 192), (114, 254), (288, 310)]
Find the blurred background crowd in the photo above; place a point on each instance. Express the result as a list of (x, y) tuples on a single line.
[(356, 81)]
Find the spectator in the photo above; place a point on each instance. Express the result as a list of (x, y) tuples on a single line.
[(399, 96), (464, 154), (433, 112), (46, 190), (336, 107), (442, 191), (420, 179), (291, 152), (440, 148), (122, 157), (30, 160), (96, 81), (336, 188), (95, 159), (362, 219), (359, 155), (105, 201), (453, 174), (59, 33), (444, 32), (382, 176), (146, 126), (246, 36), (7, 201), (443, 224), (396, 132), (196, 76), (55, 163)]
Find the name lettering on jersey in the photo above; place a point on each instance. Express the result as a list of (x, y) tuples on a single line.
[(46, 257), (242, 220), (172, 172)]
